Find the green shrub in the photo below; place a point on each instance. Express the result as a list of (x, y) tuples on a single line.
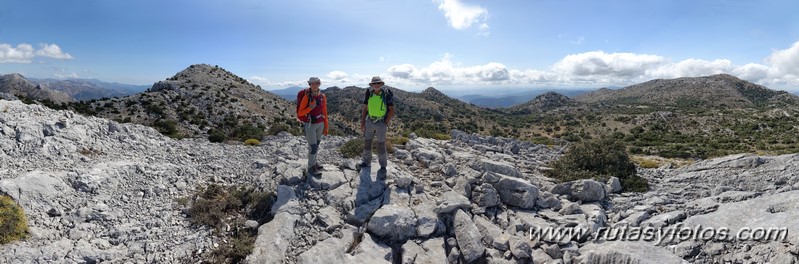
[(218, 206), (441, 136), (352, 149), (214, 204), (248, 131), (216, 136), (284, 124), (166, 127), (398, 140), (597, 159), (252, 142), (13, 223)]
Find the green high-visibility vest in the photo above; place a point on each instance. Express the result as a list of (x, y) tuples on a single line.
[(376, 105)]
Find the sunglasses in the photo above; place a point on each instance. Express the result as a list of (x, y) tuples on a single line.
[(315, 83)]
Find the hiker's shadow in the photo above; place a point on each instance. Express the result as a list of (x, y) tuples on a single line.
[(369, 196), (370, 186)]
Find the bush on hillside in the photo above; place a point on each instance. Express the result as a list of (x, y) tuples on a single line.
[(281, 124), (399, 140), (248, 131), (598, 159), (252, 142), (218, 206), (13, 223), (216, 136)]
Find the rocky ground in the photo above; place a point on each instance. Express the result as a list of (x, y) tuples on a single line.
[(95, 190)]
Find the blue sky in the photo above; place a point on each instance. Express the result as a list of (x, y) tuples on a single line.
[(412, 44)]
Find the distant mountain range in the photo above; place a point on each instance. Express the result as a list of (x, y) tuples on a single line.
[(289, 93), (16, 84), (59, 91), (87, 89), (684, 117), (504, 100), (486, 98)]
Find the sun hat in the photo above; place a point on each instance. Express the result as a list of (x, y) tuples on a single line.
[(376, 79)]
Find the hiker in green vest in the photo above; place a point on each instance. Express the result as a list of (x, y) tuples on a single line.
[(376, 116)]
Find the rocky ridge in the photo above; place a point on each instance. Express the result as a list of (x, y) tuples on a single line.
[(16, 84), (96, 190), (720, 90), (87, 89)]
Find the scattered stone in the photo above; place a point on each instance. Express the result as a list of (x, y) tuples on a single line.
[(485, 196), (468, 236), (450, 202), (581, 190), (393, 222)]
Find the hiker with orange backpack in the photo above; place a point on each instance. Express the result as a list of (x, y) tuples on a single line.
[(312, 112)]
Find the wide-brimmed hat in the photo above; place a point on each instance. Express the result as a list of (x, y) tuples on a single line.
[(313, 80), (376, 79)]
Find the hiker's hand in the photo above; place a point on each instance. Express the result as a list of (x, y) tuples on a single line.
[(363, 127), (388, 122), (325, 132), (313, 104)]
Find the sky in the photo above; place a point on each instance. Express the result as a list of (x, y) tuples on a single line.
[(411, 44)]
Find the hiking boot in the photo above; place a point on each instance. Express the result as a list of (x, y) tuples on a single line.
[(313, 172), (318, 167), (381, 173)]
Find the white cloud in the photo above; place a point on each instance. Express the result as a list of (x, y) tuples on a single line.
[(461, 16), (784, 66), (609, 64), (72, 75), (337, 75), (445, 72), (402, 71), (752, 72), (692, 68), (596, 69), (258, 80), (785, 61), (24, 53), (483, 30), (52, 51), (578, 41)]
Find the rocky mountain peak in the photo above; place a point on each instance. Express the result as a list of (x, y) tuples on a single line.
[(545, 101), (18, 85), (432, 92), (199, 100)]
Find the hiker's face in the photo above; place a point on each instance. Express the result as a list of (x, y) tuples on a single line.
[(376, 86), (315, 86)]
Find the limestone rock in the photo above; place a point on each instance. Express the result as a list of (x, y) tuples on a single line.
[(468, 236)]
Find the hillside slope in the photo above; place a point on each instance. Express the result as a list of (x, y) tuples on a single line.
[(427, 113), (198, 101), (721, 90), (18, 85)]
